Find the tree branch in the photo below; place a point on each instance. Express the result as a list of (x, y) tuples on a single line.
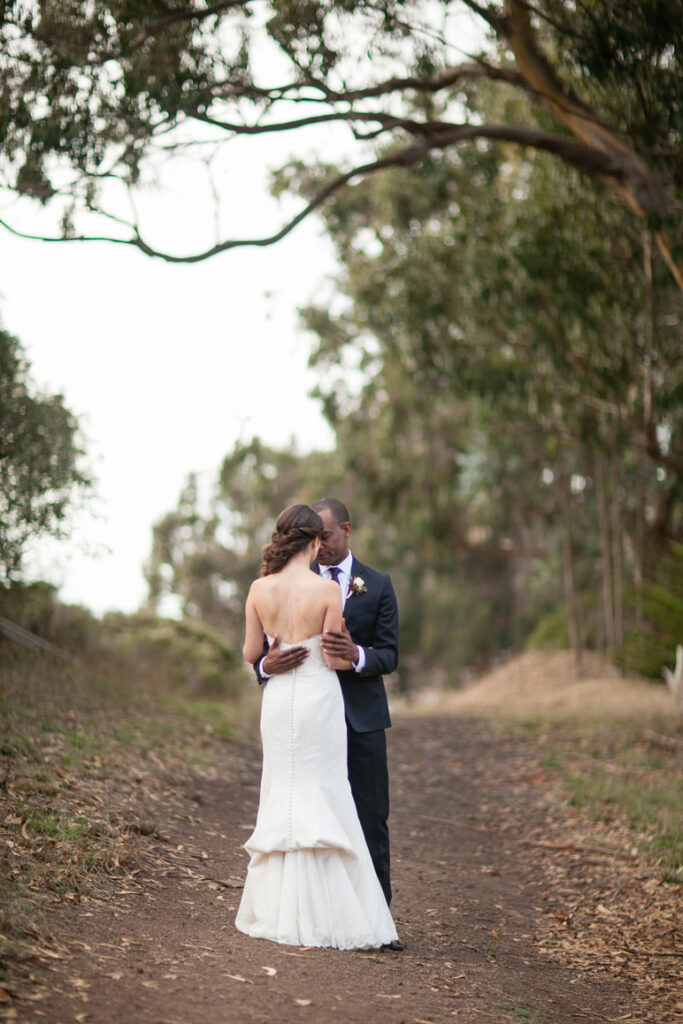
[(449, 76), (386, 120), (638, 185), (444, 79), (429, 136), (634, 181), (491, 17), (403, 158)]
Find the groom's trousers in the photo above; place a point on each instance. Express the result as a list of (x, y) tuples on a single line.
[(369, 778)]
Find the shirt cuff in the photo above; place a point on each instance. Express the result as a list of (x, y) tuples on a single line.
[(261, 670), (359, 665)]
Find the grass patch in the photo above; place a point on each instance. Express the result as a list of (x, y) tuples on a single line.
[(620, 773), (60, 828), (520, 1013), (651, 805), (76, 780)]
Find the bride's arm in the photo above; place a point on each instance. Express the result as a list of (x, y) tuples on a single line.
[(253, 633), (333, 620)]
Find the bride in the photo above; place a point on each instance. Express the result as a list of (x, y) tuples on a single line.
[(310, 880)]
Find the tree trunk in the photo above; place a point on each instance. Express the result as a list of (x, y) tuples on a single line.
[(607, 580), (571, 601), (639, 553), (617, 548), (632, 178)]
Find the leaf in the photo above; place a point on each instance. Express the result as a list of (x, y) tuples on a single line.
[(238, 977), (303, 1002), (270, 971), (24, 832), (495, 934)]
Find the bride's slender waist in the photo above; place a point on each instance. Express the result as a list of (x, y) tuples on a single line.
[(316, 673)]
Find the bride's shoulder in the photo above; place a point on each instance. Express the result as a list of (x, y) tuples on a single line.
[(258, 586), (316, 580), (327, 587)]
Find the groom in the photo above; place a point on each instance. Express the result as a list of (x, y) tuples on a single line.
[(368, 641)]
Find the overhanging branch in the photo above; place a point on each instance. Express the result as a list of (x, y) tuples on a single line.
[(403, 158), (432, 136)]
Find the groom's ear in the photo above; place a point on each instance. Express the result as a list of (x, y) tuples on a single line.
[(346, 529)]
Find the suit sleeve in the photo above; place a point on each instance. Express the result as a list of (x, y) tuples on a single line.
[(381, 657), (261, 678)]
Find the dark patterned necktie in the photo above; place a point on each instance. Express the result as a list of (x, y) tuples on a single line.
[(334, 572)]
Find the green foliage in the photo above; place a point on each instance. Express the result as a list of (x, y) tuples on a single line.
[(488, 373), (41, 476), (625, 58), (95, 87), (654, 810), (36, 607), (160, 655), (499, 328), (166, 655), (648, 648), (551, 633)]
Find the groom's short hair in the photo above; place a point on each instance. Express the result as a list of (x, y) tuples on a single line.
[(340, 512)]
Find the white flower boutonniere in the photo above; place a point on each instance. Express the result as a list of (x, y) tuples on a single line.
[(357, 585)]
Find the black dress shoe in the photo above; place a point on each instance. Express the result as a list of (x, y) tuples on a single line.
[(396, 945)]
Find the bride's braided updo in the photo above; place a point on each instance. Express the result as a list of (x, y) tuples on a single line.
[(295, 528)]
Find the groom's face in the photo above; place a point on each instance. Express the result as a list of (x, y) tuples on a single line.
[(334, 543)]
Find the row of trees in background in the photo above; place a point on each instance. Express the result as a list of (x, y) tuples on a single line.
[(500, 354), (500, 357)]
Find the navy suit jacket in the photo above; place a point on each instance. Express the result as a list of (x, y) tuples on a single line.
[(372, 620)]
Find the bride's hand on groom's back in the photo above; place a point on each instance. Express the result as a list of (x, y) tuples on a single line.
[(277, 661)]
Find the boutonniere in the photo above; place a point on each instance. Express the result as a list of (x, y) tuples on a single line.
[(357, 585)]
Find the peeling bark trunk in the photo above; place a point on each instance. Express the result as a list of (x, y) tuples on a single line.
[(632, 178), (639, 554), (571, 601), (617, 549), (607, 580)]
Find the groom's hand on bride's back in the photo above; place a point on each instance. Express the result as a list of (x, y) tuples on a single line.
[(277, 661), (337, 644)]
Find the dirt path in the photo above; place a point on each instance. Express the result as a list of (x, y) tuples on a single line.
[(159, 947)]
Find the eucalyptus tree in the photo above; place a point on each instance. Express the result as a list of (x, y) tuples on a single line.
[(492, 282), (92, 88), (42, 476)]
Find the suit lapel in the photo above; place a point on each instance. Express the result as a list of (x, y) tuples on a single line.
[(351, 599)]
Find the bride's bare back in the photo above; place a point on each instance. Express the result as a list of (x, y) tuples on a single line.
[(296, 613), (294, 605)]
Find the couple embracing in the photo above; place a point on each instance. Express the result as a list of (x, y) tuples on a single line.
[(320, 642)]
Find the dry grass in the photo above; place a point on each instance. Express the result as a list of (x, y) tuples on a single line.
[(612, 746), (544, 684)]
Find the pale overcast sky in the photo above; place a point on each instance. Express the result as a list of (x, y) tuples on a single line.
[(167, 365)]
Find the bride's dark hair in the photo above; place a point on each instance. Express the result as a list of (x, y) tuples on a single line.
[(295, 528)]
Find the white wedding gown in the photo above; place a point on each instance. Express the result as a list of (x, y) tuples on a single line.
[(310, 880)]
